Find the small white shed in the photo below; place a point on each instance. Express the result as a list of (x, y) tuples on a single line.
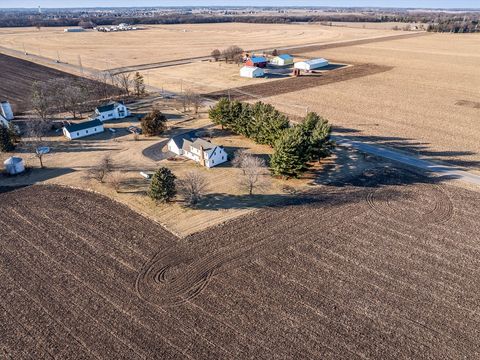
[(251, 72), (311, 64), (6, 110), (14, 165), (83, 129)]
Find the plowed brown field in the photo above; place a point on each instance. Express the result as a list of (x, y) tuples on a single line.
[(383, 268)]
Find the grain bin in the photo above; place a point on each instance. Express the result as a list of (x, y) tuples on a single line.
[(14, 165)]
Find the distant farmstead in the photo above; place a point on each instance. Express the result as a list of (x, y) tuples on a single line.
[(257, 61), (251, 72), (311, 64), (282, 60), (199, 150), (83, 129), (112, 111), (74, 30)]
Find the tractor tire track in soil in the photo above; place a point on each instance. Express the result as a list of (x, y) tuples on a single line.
[(321, 275), (432, 203), (292, 84)]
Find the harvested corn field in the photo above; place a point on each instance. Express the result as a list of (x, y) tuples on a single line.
[(294, 84), (383, 267)]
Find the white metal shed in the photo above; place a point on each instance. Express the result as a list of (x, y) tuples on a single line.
[(311, 64), (251, 72)]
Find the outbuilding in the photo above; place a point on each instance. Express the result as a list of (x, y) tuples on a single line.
[(257, 61), (77, 29), (112, 111), (311, 64), (6, 110), (282, 60), (251, 72), (83, 129), (14, 165)]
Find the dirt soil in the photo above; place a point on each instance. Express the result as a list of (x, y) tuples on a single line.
[(18, 76), (384, 267), (303, 82)]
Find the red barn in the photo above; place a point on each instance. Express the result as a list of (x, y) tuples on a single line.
[(257, 61)]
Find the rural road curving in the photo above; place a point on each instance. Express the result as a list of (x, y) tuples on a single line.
[(411, 160)]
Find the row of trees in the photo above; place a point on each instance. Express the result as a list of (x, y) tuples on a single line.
[(233, 53), (294, 146), (75, 95), (260, 122)]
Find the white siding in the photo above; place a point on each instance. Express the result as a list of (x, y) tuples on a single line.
[(82, 133)]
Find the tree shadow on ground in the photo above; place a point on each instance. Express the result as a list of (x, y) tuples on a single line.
[(412, 146), (33, 175)]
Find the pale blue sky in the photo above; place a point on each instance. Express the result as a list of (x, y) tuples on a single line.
[(119, 3)]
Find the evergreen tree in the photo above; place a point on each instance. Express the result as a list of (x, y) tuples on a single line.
[(139, 84), (12, 131), (154, 123), (220, 113), (288, 159), (321, 145), (162, 186), (317, 132), (6, 143)]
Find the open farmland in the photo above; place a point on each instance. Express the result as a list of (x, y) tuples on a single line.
[(384, 267), (163, 43), (18, 76), (427, 103)]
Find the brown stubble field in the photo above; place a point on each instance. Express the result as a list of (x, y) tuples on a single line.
[(170, 42), (384, 267), (427, 103)]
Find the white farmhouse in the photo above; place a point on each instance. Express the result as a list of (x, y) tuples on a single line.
[(282, 60), (112, 111), (199, 150), (251, 72), (83, 129), (311, 64)]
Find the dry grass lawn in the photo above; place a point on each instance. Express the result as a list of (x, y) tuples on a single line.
[(428, 102), (169, 42), (201, 77)]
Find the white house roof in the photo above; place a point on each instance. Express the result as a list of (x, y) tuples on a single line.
[(249, 69), (83, 125)]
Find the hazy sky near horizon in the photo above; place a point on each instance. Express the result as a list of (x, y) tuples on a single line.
[(120, 3)]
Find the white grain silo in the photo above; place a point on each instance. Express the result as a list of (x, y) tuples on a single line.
[(6, 110), (14, 165)]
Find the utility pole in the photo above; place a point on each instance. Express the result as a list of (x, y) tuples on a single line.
[(80, 63)]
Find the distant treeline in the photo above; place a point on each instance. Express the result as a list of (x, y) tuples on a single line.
[(434, 21)]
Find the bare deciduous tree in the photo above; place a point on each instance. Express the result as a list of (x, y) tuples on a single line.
[(123, 81), (101, 169), (254, 171), (71, 95), (216, 54), (193, 186), (36, 131), (42, 101), (115, 180)]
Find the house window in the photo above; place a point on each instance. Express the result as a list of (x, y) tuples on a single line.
[(222, 158), (213, 162), (78, 134), (86, 131)]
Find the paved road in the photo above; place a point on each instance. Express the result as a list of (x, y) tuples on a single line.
[(411, 160)]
